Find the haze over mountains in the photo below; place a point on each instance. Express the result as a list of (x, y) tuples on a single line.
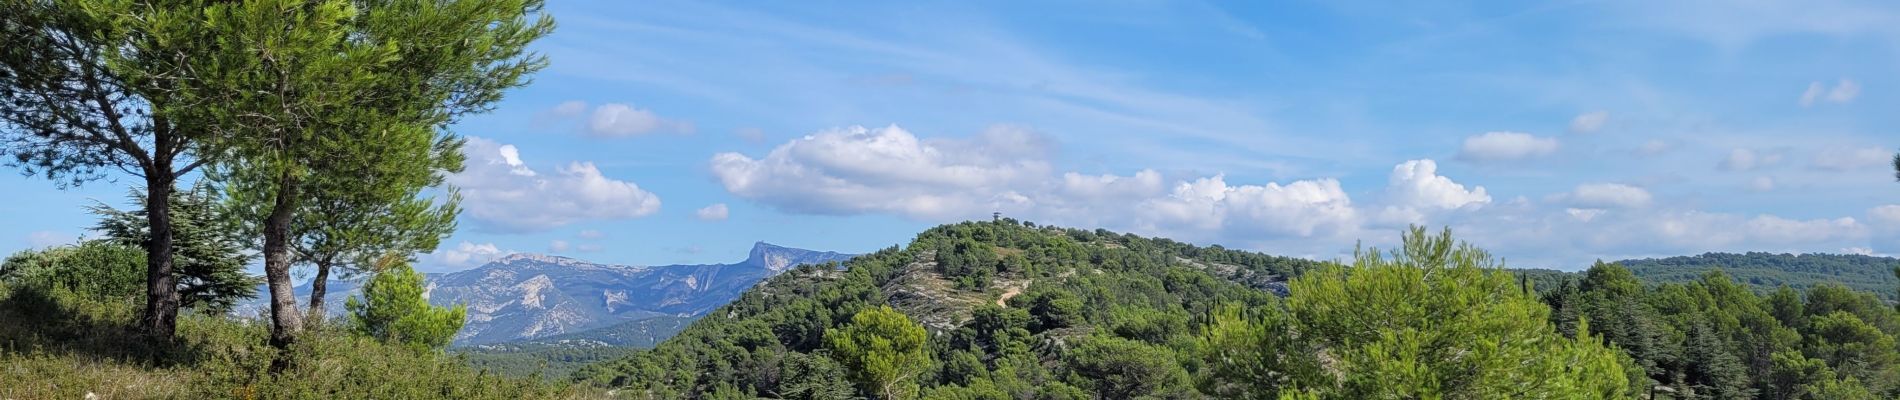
[(534, 296)]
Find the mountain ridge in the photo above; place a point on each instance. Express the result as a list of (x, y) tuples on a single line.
[(528, 296)]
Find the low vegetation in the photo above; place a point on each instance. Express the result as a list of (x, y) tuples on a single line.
[(62, 341)]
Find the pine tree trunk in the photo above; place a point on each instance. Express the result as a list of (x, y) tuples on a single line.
[(319, 287), (285, 321), (161, 285)]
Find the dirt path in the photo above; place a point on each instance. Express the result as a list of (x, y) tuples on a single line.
[(1008, 293)]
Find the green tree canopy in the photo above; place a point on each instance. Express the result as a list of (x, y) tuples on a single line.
[(1437, 318), (394, 309), (884, 351), (208, 254)]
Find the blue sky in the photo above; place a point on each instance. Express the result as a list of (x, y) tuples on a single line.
[(1552, 133)]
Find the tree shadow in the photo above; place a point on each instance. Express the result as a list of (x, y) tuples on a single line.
[(41, 321)]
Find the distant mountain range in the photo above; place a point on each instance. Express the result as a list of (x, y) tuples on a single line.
[(534, 296)]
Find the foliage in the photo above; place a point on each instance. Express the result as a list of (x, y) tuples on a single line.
[(1763, 272), (83, 92), (1438, 318), (341, 106), (1716, 338), (1075, 289), (394, 309), (61, 344), (94, 269), (883, 350), (207, 254)]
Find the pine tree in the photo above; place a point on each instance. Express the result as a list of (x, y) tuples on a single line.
[(394, 309), (884, 351), (311, 97), (1439, 319), (208, 254), (88, 87)]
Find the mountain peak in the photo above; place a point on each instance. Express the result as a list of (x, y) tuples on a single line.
[(549, 259), (779, 258)]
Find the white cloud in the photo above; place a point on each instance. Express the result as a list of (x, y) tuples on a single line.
[(42, 239), (1589, 122), (1416, 183), (1844, 91), (1852, 158), (468, 254), (1415, 190), (501, 191), (621, 120), (1886, 216), (1301, 208), (1606, 195), (1814, 92), (1749, 160), (591, 234), (715, 212), (888, 170), (558, 246), (1505, 146)]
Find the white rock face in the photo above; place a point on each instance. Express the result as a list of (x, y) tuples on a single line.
[(532, 296)]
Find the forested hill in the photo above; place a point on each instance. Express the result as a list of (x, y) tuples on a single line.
[(999, 296), (1766, 271)]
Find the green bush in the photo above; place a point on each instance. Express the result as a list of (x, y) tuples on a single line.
[(394, 310), (57, 344), (95, 269)]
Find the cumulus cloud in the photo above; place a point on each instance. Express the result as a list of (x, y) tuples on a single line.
[(615, 120), (1844, 91), (1749, 159), (1415, 190), (1852, 158), (715, 212), (1606, 195), (1417, 183), (468, 254), (893, 172), (1589, 122), (1505, 146), (501, 191), (558, 246), (888, 170), (1301, 208)]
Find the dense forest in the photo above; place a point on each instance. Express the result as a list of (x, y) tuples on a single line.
[(1766, 272), (1011, 310)]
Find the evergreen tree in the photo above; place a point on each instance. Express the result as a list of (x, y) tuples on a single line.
[(88, 87), (1438, 318), (884, 351), (208, 253), (310, 97), (394, 309)]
